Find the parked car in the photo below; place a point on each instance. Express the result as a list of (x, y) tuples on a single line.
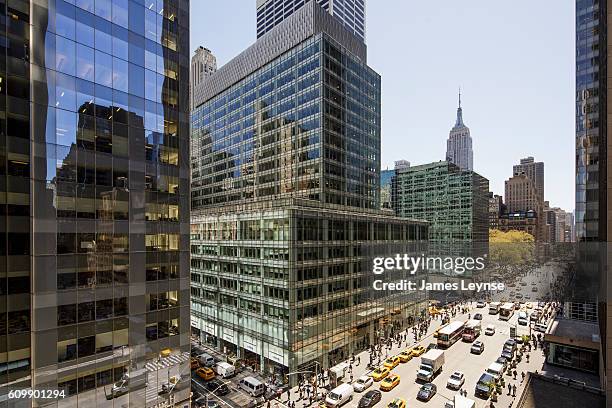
[(217, 387), (390, 382), (502, 360), (339, 396), (490, 330), (370, 399), (195, 364), (456, 380), (477, 347), (541, 327), (363, 383), (427, 391), (507, 354), (478, 316)]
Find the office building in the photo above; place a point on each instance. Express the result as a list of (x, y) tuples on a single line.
[(95, 202), (523, 203), (496, 208), (459, 144), (454, 201), (534, 171), (525, 221), (351, 13), (203, 64), (285, 202)]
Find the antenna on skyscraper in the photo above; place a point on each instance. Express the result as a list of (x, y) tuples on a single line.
[(460, 96)]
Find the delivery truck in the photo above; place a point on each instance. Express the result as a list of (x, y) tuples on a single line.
[(431, 365)]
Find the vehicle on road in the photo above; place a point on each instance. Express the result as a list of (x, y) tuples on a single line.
[(490, 330), (427, 391), (379, 373), (494, 308), (477, 347), (205, 373), (496, 370), (506, 311), (456, 380), (397, 403), (370, 399), (507, 354), (517, 305), (483, 386), (417, 351), (363, 383), (253, 386), (431, 346), (459, 401), (206, 360), (390, 382), (450, 334), (339, 396), (471, 330), (529, 306), (437, 331), (405, 355), (534, 316), (217, 387), (480, 305), (478, 316), (195, 364), (534, 289), (511, 343), (225, 370), (503, 361), (431, 365), (541, 327), (523, 318), (392, 362), (205, 402)]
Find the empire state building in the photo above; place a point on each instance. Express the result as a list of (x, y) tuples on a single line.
[(459, 143)]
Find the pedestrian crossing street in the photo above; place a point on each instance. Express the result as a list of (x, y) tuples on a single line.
[(166, 362)]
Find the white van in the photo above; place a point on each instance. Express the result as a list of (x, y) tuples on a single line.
[(339, 396), (225, 370), (206, 360), (496, 370), (252, 386)]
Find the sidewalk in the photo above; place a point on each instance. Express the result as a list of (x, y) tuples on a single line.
[(364, 356)]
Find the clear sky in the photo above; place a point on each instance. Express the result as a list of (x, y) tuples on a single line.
[(513, 60)]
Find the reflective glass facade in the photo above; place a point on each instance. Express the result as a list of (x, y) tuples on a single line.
[(351, 13), (95, 196), (284, 283), (591, 139), (305, 125)]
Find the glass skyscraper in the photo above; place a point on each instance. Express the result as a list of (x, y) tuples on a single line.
[(94, 197), (351, 13), (285, 202)]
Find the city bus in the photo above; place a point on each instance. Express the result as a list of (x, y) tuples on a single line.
[(450, 334), (472, 330), (506, 311), (494, 308)]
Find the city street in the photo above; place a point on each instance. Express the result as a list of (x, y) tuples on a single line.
[(457, 358)]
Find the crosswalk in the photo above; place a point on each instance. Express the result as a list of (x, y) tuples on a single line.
[(166, 362)]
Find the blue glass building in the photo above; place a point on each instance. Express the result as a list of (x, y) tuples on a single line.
[(94, 199)]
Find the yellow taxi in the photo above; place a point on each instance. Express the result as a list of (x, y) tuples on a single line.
[(417, 351), (390, 382), (528, 305), (379, 373), (205, 373), (437, 332), (392, 362), (405, 356), (166, 352), (397, 403), (194, 363)]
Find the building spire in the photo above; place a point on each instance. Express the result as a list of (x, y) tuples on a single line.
[(459, 121)]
